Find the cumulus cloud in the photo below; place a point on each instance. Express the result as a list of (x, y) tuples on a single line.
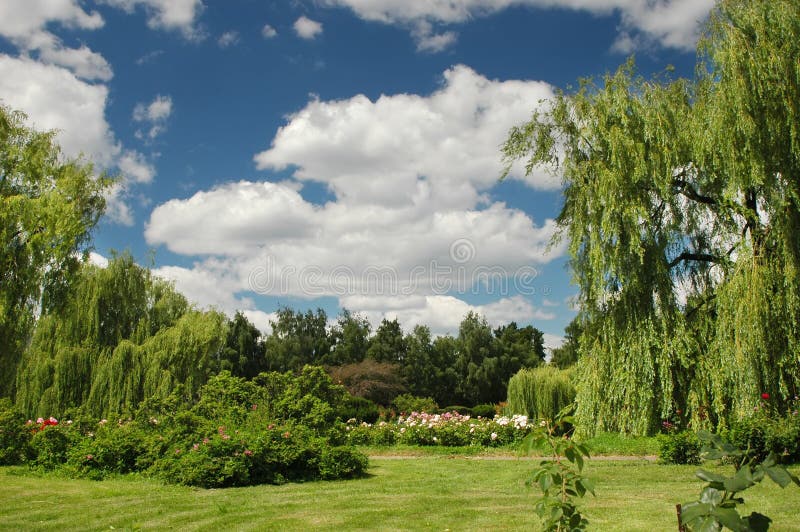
[(23, 22), (268, 32), (440, 148), (410, 231), (671, 23), (307, 28), (228, 39), (154, 115), (180, 15), (55, 99)]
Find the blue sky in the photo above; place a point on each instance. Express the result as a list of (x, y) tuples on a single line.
[(332, 153)]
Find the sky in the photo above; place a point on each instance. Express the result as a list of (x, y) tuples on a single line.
[(330, 153)]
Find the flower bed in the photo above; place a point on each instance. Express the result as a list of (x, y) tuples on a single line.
[(450, 429)]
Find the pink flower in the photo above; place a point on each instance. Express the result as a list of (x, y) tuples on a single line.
[(89, 457), (254, 407), (248, 452), (177, 451), (226, 437), (195, 446), (40, 420), (286, 434)]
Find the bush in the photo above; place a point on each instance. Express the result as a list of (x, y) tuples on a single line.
[(462, 410), (540, 393), (15, 435), (407, 403), (358, 408), (341, 462), (487, 411), (760, 435), (679, 448), (51, 447)]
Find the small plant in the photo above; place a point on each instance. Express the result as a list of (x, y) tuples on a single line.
[(679, 448), (560, 477), (717, 506)]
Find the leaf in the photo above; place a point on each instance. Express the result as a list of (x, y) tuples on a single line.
[(779, 475), (545, 482), (758, 522), (730, 518), (711, 496), (708, 476), (742, 480), (691, 511), (589, 485)]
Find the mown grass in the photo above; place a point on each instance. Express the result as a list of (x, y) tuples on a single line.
[(410, 493)]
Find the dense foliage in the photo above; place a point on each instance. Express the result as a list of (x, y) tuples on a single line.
[(540, 393), (273, 429), (48, 208), (682, 209)]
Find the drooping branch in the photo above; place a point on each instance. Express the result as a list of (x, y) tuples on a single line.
[(684, 188), (700, 257)]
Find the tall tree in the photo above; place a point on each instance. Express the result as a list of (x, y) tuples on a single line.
[(297, 339), (349, 339), (389, 343), (48, 207), (244, 351), (681, 208)]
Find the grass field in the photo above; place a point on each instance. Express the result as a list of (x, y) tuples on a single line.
[(401, 493)]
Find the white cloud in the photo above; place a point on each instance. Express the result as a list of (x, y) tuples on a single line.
[(441, 148), (154, 114), (227, 39), (135, 167), (178, 15), (23, 22), (410, 227), (429, 41), (671, 23), (55, 99), (268, 32), (98, 260), (307, 28)]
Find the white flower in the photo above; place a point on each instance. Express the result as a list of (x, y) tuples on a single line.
[(494, 436)]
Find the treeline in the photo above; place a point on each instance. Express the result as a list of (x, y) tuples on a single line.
[(120, 335)]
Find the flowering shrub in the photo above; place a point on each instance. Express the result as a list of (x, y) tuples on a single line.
[(275, 429), (450, 429), (768, 431)]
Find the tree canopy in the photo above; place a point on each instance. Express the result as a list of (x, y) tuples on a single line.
[(48, 207), (682, 210)]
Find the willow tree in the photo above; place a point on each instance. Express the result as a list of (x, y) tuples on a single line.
[(119, 336), (48, 207), (682, 210)]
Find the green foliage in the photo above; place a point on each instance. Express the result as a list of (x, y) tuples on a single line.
[(358, 408), (349, 340), (540, 393), (679, 448), (764, 433), (49, 205), (297, 339), (717, 505), (244, 354), (15, 435), (560, 477), (407, 403), (388, 344), (679, 187), (121, 336), (50, 446), (486, 411)]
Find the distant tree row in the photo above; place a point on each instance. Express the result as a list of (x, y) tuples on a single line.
[(471, 368)]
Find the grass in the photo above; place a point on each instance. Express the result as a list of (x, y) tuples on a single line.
[(417, 493)]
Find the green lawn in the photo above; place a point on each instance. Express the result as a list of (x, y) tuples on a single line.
[(410, 493)]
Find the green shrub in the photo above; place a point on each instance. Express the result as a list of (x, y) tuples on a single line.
[(407, 403), (679, 448), (540, 393), (487, 411), (358, 408), (15, 435), (341, 462), (114, 449), (51, 447), (761, 435)]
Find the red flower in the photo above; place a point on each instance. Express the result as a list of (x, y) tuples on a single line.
[(765, 396)]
